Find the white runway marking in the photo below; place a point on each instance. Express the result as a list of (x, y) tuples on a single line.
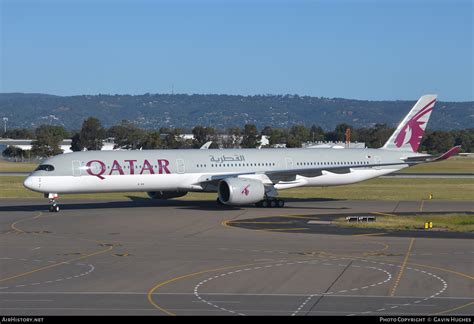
[(311, 262), (90, 270), (417, 302)]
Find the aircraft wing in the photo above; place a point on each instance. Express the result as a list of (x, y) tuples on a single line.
[(276, 176), (290, 174), (313, 172)]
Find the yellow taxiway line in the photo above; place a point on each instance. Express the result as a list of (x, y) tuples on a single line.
[(402, 268)]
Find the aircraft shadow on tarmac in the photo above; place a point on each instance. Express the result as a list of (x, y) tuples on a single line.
[(140, 202)]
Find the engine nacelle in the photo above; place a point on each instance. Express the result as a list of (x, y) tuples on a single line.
[(166, 194), (240, 191)]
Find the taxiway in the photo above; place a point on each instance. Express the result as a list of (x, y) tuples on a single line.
[(144, 257)]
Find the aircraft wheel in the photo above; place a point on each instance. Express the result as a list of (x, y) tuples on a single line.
[(54, 209), (280, 203), (265, 203), (273, 203)]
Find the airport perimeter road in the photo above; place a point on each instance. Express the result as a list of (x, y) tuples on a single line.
[(183, 258)]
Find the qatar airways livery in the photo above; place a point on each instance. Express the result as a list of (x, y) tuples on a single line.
[(239, 176)]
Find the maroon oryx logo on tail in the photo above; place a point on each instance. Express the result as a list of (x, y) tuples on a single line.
[(246, 191), (415, 128)]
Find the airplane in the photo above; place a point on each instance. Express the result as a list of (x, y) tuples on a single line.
[(238, 176)]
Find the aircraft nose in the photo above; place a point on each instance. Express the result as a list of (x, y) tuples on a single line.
[(29, 183)]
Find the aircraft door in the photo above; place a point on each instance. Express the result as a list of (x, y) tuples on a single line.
[(76, 168), (289, 163), (180, 167), (377, 160)]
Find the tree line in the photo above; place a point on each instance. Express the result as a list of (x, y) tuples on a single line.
[(126, 135), (152, 111)]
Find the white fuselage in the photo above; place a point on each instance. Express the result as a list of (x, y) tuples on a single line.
[(191, 170)]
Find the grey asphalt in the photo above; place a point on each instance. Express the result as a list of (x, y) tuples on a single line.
[(323, 224), (180, 257)]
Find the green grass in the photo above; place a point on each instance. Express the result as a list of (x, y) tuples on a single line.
[(449, 222), (376, 189), (457, 164), (392, 189), (7, 166)]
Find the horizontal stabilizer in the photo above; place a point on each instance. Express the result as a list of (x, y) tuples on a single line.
[(425, 159)]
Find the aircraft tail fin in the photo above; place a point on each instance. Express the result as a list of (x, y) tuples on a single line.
[(408, 135)]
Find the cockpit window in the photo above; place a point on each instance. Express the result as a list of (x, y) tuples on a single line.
[(45, 167)]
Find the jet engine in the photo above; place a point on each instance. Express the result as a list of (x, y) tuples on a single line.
[(239, 191), (166, 194)]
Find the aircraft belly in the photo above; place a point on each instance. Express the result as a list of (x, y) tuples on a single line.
[(116, 183)]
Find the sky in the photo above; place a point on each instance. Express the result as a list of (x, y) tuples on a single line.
[(370, 50)]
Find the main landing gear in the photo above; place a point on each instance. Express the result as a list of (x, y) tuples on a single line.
[(271, 203), (54, 207)]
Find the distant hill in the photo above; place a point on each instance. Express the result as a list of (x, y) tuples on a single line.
[(219, 111)]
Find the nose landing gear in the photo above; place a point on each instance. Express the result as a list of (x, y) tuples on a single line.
[(54, 207)]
